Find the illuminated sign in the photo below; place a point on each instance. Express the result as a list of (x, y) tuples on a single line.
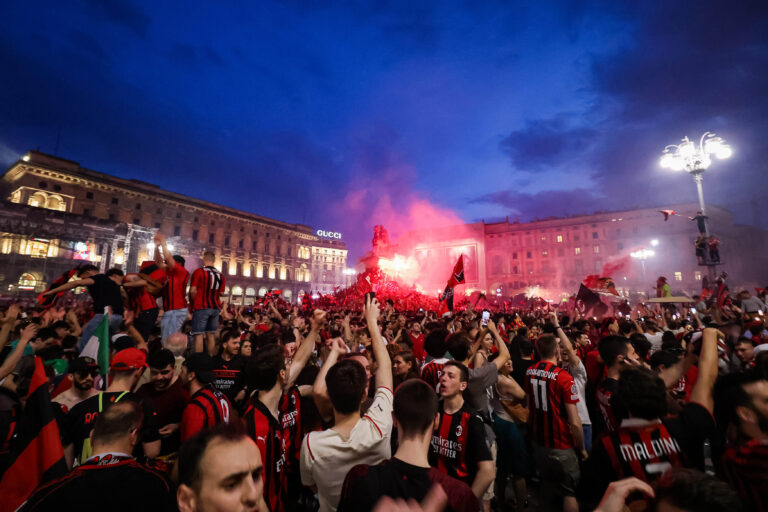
[(82, 251), (328, 234)]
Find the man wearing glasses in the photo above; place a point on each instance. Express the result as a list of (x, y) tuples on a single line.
[(82, 372)]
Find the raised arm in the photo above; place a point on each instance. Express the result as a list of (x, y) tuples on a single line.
[(8, 322), (13, 359), (167, 256), (384, 364), (70, 285), (306, 347), (705, 383), (503, 356), (319, 388), (565, 343)]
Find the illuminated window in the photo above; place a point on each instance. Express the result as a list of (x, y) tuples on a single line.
[(678, 276), (6, 245), (577, 250), (237, 290), (594, 235), (271, 272), (545, 253), (596, 249), (27, 280), (559, 239), (38, 199), (697, 275)]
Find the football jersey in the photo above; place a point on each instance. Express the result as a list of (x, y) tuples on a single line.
[(209, 283), (458, 444), (175, 289), (432, 371), (549, 389), (206, 408), (607, 420), (746, 467)]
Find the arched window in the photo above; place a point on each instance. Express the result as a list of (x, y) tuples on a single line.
[(250, 292), (239, 268), (27, 279), (224, 267), (237, 290), (56, 203), (262, 291), (37, 199), (253, 271)]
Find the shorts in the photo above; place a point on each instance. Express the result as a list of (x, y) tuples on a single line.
[(559, 470), (488, 494), (512, 458), (205, 321)]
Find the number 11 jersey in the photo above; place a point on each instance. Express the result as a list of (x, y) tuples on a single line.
[(549, 389)]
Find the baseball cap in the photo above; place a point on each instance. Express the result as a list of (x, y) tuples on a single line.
[(128, 359), (202, 364), (83, 364)]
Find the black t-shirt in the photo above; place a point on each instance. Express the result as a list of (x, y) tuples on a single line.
[(458, 444), (81, 417), (646, 449), (365, 485), (230, 375), (105, 292), (115, 483), (169, 405)]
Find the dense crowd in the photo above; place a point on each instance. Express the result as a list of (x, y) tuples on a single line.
[(193, 405)]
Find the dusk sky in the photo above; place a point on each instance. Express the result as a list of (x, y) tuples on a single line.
[(340, 115)]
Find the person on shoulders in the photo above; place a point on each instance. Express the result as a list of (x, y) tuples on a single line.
[(204, 295)]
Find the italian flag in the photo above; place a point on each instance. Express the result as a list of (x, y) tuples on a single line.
[(98, 346)]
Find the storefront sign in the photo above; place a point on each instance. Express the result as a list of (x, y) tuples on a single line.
[(328, 234)]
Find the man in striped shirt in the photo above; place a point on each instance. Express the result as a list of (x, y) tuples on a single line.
[(174, 302), (204, 290), (207, 406)]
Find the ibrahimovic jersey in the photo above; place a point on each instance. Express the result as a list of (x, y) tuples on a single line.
[(208, 407), (549, 389), (209, 283)]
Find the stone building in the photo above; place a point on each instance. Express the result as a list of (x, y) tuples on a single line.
[(57, 211)]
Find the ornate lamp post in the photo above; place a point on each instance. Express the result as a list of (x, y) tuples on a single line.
[(695, 159)]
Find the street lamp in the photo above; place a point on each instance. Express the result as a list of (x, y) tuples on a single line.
[(695, 160)]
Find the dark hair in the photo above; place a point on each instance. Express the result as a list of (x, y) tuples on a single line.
[(641, 344), (229, 334), (434, 343), (739, 341), (689, 489), (179, 259), (458, 346), (463, 370), (666, 358), (546, 346), (114, 272), (346, 383), (415, 408), (611, 347), (264, 367), (86, 268), (625, 327), (192, 451), (159, 359), (117, 421), (526, 348), (641, 393)]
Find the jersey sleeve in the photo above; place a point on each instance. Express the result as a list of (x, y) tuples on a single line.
[(192, 421), (477, 448), (568, 388), (380, 412)]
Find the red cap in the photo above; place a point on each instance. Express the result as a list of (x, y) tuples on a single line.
[(128, 359)]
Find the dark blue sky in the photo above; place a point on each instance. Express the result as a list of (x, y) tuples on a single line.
[(342, 114)]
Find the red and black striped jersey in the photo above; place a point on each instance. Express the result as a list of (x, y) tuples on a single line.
[(175, 289), (645, 449), (290, 418), (458, 444), (274, 444), (549, 389), (746, 467), (206, 408), (432, 371), (209, 283)]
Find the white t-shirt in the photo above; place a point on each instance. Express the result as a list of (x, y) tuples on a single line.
[(326, 457), (655, 340), (579, 374)]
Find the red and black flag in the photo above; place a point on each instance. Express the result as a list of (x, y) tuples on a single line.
[(458, 273), (446, 301), (46, 301), (591, 300), (35, 455)]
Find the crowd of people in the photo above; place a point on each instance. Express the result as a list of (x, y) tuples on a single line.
[(204, 406)]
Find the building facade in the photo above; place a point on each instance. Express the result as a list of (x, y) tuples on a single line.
[(57, 211), (634, 247)]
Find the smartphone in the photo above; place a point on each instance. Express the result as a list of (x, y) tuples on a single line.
[(486, 317), (370, 296), (693, 310)]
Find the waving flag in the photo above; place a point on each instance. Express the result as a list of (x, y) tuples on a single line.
[(46, 301), (457, 277), (36, 455)]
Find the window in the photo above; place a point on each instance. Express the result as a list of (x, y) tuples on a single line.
[(86, 212), (697, 275), (514, 270), (577, 250), (559, 239), (240, 243), (514, 255), (159, 211), (178, 215), (114, 200), (239, 268), (575, 238), (136, 220), (138, 206), (157, 225), (226, 241), (43, 184), (543, 238), (579, 266), (255, 232), (253, 245), (195, 234), (242, 229), (619, 246), (176, 230), (267, 235), (196, 219), (57, 188), (213, 223), (545, 253), (596, 249), (89, 195), (594, 235), (111, 216), (678, 276), (528, 254), (224, 267), (210, 238)]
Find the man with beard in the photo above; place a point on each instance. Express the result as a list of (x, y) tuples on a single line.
[(228, 367), (82, 371), (746, 464), (166, 391)]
